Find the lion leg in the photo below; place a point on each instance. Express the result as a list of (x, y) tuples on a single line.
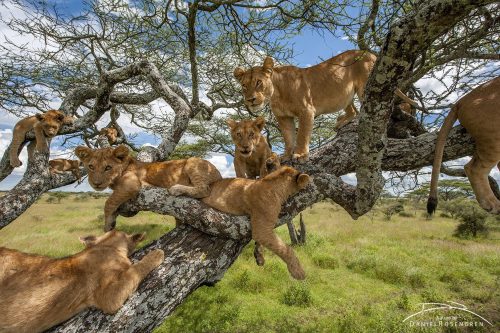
[(41, 141), (287, 129), (201, 174), (119, 196), (263, 233), (17, 140), (115, 294), (304, 136), (258, 253), (477, 171), (350, 113)]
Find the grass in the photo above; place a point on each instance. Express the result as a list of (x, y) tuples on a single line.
[(362, 276)]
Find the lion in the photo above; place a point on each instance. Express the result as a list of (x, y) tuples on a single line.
[(45, 125), (110, 133), (61, 165), (39, 292), (479, 113), (114, 168), (262, 200), (306, 93), (252, 157)]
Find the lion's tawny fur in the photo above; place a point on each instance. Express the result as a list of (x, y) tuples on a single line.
[(114, 168), (61, 165), (306, 93), (45, 125), (39, 292), (110, 133), (262, 200), (479, 112), (252, 157)]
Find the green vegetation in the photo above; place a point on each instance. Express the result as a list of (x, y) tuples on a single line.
[(362, 276)]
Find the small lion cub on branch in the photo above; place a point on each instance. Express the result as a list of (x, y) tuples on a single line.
[(61, 165), (114, 168), (252, 156), (45, 125), (39, 292), (262, 200)]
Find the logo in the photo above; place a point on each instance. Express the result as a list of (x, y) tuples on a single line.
[(431, 315)]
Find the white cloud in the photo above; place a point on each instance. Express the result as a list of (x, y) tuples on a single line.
[(223, 164)]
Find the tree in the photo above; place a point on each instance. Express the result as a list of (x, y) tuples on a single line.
[(124, 56)]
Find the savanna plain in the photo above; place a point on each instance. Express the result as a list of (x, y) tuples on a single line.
[(366, 275)]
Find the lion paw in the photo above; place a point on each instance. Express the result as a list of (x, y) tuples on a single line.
[(301, 158), (297, 272), (176, 190), (16, 163), (156, 257)]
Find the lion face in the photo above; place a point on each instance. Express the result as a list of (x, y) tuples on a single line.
[(257, 86), (103, 165), (295, 179), (110, 132), (246, 134), (51, 122)]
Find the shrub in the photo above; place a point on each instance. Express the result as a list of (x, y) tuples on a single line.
[(405, 214), (57, 196), (297, 295), (473, 222), (325, 261), (392, 209)]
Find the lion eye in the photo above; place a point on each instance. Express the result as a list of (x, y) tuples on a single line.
[(251, 135), (238, 134), (107, 168), (91, 167), (259, 82), (244, 87)]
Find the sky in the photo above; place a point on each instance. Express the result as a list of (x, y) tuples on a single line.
[(309, 48)]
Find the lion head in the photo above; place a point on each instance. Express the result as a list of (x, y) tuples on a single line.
[(103, 165), (110, 132), (256, 84), (115, 239), (294, 179), (246, 134), (51, 121)]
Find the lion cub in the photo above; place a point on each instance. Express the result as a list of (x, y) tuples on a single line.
[(60, 165), (262, 200), (114, 168), (45, 125), (110, 133), (39, 292), (252, 158)]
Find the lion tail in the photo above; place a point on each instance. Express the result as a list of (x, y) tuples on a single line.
[(405, 98), (438, 159)]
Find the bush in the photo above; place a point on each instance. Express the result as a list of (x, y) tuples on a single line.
[(297, 295), (473, 222), (405, 214), (392, 209), (325, 261), (57, 196)]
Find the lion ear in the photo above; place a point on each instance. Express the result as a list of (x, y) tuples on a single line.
[(260, 122), (68, 120), (40, 116), (303, 180), (136, 238), (238, 73), (88, 240), (231, 123), (121, 152), (83, 152), (268, 65)]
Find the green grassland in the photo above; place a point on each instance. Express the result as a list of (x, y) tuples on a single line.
[(362, 276)]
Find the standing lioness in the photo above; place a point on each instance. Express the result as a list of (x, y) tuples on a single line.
[(114, 168), (38, 292), (305, 93)]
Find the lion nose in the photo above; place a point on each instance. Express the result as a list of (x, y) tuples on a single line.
[(246, 147), (97, 183), (251, 100)]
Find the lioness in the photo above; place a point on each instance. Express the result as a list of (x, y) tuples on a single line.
[(252, 157), (61, 165), (305, 93), (114, 168), (45, 125), (479, 112), (110, 133), (262, 200), (39, 292)]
